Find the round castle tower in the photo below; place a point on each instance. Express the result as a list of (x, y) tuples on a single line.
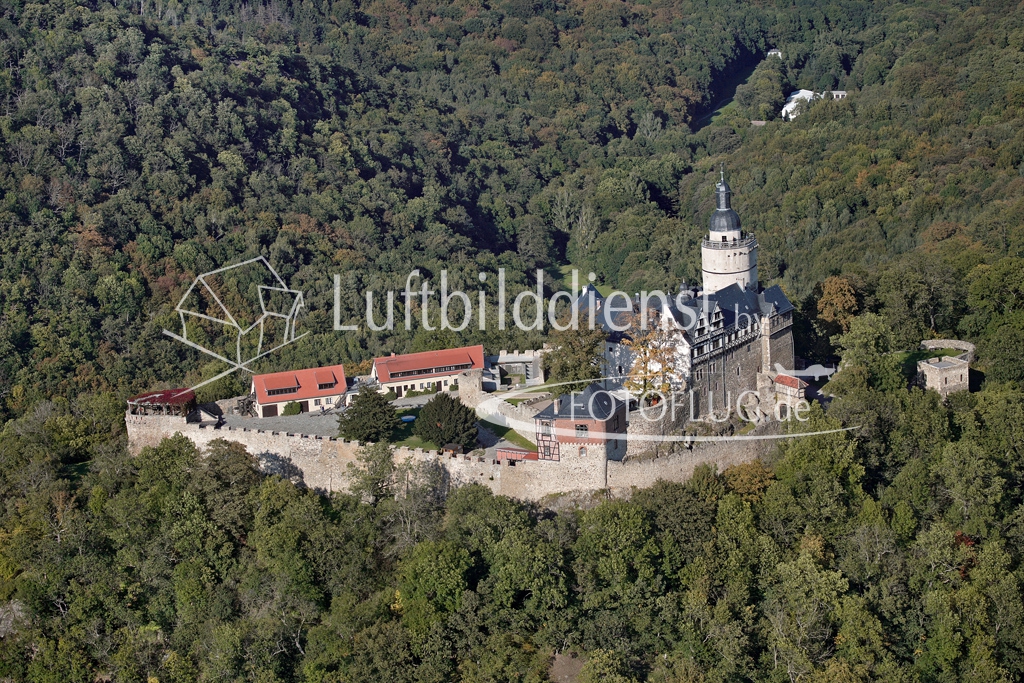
[(727, 254)]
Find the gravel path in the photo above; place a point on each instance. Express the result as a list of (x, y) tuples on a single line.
[(314, 424)]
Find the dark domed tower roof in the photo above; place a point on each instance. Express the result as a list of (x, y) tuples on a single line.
[(724, 218)]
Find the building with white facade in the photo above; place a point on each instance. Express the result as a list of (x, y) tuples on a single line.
[(313, 389), (425, 371)]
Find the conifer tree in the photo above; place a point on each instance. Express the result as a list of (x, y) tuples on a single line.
[(370, 418), (445, 420)]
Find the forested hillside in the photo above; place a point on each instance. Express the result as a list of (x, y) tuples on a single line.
[(144, 143), (888, 554)]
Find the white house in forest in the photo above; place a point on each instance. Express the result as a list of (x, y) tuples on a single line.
[(793, 102), (790, 110)]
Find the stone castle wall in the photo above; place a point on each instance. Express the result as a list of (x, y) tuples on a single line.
[(322, 462), (679, 466), (520, 417), (967, 347)]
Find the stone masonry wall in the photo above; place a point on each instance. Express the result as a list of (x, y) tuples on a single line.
[(322, 461), (679, 466), (520, 416), (967, 347)]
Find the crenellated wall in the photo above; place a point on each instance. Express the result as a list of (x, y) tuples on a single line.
[(322, 461)]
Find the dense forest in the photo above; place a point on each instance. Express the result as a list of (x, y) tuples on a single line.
[(889, 554), (144, 143)]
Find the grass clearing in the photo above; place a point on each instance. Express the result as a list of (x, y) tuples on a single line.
[(509, 435), (910, 359), (581, 280), (403, 436)]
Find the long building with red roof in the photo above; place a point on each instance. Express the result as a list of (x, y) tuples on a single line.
[(313, 389), (427, 370)]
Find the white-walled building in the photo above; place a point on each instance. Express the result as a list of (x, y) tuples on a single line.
[(427, 370), (313, 389), (793, 102)]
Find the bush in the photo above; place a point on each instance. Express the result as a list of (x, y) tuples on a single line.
[(390, 395), (292, 408)]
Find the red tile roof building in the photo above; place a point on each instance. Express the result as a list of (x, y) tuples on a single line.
[(313, 389), (790, 386), (428, 370)]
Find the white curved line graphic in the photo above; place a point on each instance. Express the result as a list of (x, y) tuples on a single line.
[(485, 410)]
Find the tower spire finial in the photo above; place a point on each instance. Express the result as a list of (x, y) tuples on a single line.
[(722, 190)]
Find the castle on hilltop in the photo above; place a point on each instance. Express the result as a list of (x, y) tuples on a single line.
[(729, 335), (726, 341)]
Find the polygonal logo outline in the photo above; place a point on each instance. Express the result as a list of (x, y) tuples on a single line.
[(298, 303)]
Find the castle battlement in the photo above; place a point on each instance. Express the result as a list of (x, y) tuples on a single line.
[(323, 460)]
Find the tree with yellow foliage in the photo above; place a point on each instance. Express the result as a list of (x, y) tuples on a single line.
[(653, 357), (838, 302)]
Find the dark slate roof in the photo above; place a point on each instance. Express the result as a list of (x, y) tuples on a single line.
[(593, 403), (724, 218), (733, 301), (774, 296), (603, 316)]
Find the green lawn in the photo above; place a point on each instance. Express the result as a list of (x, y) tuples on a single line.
[(509, 434), (403, 436), (725, 112), (909, 359), (581, 280)]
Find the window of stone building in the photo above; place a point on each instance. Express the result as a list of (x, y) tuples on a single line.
[(583, 451), (581, 431)]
